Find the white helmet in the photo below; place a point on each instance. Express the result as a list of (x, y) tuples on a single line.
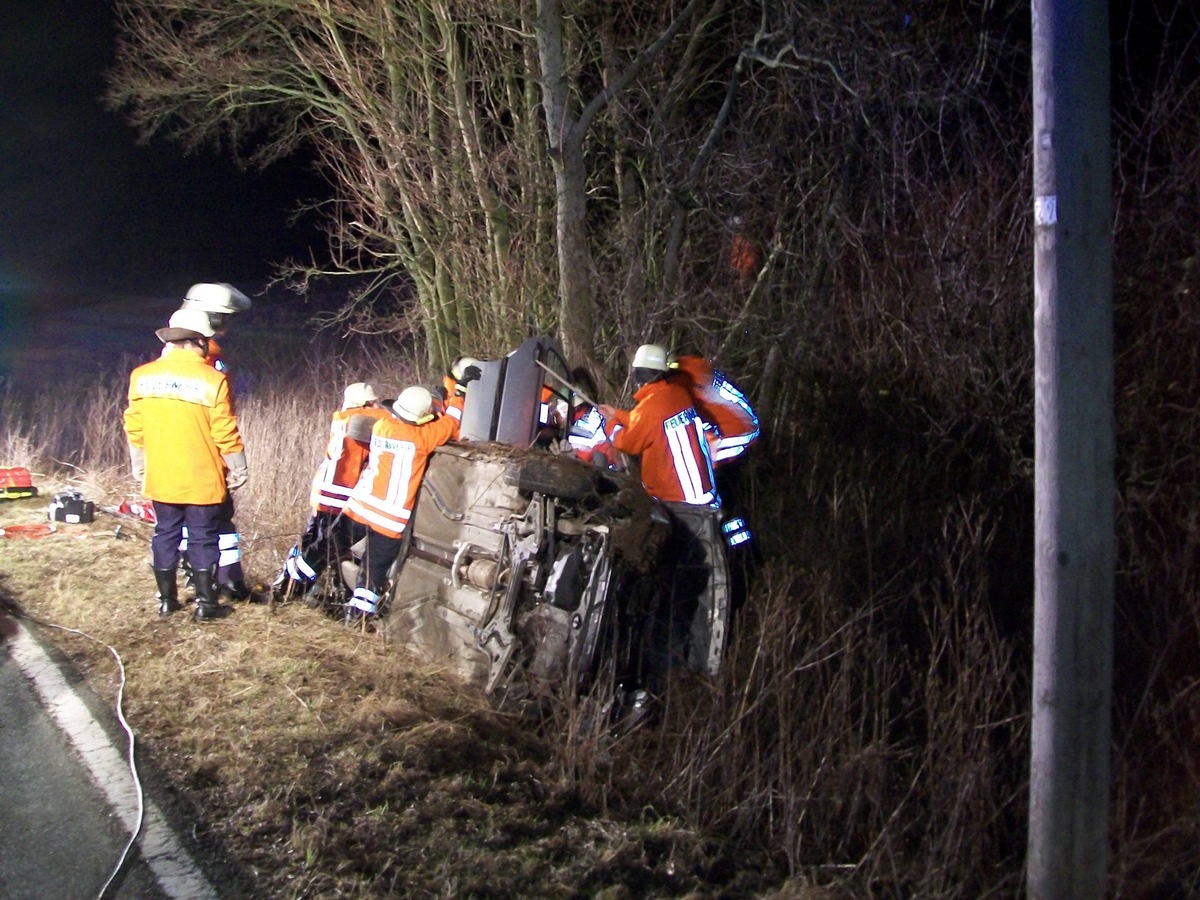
[(415, 405), (650, 356), (358, 394), (459, 368), (186, 325), (216, 298)]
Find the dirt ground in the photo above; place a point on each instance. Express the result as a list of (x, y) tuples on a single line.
[(327, 763)]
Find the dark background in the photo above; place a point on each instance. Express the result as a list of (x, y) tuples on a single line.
[(87, 211), (100, 235)]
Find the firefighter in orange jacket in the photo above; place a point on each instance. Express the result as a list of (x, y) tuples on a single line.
[(326, 534), (664, 429), (667, 432), (381, 504), (586, 435), (721, 404), (462, 372), (186, 450)]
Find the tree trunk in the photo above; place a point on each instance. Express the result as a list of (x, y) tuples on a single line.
[(570, 183), (574, 255)]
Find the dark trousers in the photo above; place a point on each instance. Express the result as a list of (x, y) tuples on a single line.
[(203, 525), (326, 539), (381, 553)]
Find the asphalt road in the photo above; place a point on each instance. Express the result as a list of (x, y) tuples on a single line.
[(69, 800)]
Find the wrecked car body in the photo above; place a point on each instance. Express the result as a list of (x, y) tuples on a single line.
[(527, 570)]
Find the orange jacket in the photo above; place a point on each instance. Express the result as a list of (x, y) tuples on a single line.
[(719, 403), (744, 256), (664, 429), (181, 416), (345, 458), (387, 489), (455, 397)]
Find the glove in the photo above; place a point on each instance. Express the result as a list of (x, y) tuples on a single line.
[(137, 461), (236, 473), (470, 373)]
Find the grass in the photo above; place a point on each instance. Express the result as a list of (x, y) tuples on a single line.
[(328, 763), (868, 735)]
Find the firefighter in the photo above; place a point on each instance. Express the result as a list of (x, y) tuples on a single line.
[(664, 429), (382, 501), (745, 256), (731, 426), (220, 301), (326, 534), (185, 448), (734, 425), (586, 435), (462, 372)]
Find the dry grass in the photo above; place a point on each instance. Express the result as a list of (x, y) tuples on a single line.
[(325, 762), (868, 736)]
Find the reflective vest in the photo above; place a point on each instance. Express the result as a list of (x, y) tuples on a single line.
[(721, 404), (344, 460), (586, 436), (664, 429), (180, 413), (386, 491)]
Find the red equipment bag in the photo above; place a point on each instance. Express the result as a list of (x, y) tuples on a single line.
[(143, 510), (15, 483)]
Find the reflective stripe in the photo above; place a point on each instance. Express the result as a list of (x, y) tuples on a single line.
[(365, 599), (679, 430), (229, 546), (728, 448), (379, 517), (333, 495), (588, 431), (298, 568), (172, 386), (454, 412)]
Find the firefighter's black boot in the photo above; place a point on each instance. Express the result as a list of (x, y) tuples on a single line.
[(168, 593), (207, 606), (235, 590)]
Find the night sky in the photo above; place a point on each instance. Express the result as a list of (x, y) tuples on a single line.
[(90, 217), (87, 215)]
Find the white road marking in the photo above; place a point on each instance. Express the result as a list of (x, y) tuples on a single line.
[(176, 871)]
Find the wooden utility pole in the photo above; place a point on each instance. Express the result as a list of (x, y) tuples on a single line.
[(1074, 482)]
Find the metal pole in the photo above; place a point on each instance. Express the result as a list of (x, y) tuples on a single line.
[(1074, 482)]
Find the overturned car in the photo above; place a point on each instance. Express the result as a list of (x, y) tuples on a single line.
[(529, 571)]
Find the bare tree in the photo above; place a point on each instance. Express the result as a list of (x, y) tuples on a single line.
[(415, 111), (430, 118)]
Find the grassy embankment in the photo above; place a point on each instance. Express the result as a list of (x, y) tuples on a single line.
[(868, 735)]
